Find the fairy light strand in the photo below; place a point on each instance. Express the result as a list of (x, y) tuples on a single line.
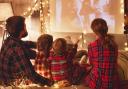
[(44, 9)]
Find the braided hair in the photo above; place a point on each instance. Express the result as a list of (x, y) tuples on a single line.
[(100, 28)]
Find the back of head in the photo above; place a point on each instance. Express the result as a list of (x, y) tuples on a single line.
[(44, 43), (68, 40), (59, 46), (69, 43), (15, 25), (100, 28)]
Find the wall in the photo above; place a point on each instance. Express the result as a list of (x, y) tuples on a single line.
[(120, 38)]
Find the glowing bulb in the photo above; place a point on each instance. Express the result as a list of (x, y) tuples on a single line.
[(121, 10), (125, 44), (126, 48), (25, 13), (85, 41), (45, 86), (121, 1), (48, 14), (47, 2), (29, 9), (80, 37), (84, 32), (34, 0)]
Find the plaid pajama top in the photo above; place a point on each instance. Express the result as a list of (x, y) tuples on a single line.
[(58, 67), (42, 67), (104, 73), (15, 62)]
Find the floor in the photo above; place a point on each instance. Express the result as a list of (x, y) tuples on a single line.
[(71, 87), (35, 87)]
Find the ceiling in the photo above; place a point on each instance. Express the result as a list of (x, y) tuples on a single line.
[(19, 6)]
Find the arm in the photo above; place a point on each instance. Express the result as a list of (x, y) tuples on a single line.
[(29, 44), (25, 65), (31, 54), (72, 52)]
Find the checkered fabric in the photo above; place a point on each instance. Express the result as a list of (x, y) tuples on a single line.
[(15, 62), (104, 73), (42, 67)]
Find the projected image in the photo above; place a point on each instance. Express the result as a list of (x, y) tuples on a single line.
[(76, 15)]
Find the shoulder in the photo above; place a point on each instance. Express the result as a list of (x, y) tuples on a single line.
[(94, 43)]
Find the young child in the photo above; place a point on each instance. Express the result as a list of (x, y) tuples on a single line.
[(76, 69), (62, 66), (58, 60), (44, 44)]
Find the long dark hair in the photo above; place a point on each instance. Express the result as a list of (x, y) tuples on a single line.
[(44, 43), (100, 28)]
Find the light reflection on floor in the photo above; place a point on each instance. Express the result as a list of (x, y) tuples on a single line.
[(37, 87)]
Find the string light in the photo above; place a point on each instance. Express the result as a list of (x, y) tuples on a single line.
[(122, 6), (43, 6), (44, 16), (126, 46)]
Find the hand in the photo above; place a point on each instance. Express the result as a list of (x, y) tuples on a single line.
[(50, 83), (77, 41)]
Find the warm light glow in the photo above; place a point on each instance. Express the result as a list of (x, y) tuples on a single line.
[(85, 41), (29, 9), (126, 48), (122, 11), (84, 32), (56, 86), (35, 0), (121, 1), (125, 44), (80, 37), (122, 6), (5, 11)]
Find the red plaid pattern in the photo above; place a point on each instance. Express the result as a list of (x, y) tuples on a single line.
[(104, 73), (42, 69), (58, 67), (15, 62)]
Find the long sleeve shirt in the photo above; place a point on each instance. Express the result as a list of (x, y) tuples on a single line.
[(15, 62), (104, 73)]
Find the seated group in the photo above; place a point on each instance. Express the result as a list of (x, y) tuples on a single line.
[(54, 62)]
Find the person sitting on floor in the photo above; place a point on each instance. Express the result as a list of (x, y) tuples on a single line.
[(44, 44), (15, 57)]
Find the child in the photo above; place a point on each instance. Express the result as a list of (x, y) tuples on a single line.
[(76, 69), (58, 60), (44, 44), (62, 67)]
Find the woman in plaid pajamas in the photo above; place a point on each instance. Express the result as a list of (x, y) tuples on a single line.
[(102, 55), (44, 44)]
